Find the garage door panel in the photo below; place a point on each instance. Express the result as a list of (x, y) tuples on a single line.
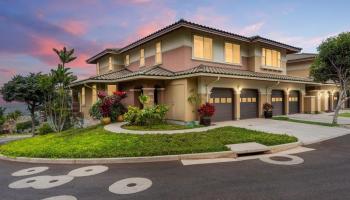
[(222, 99), (249, 103), (293, 102), (277, 101)]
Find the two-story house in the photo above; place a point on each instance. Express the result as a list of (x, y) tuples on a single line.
[(237, 74)]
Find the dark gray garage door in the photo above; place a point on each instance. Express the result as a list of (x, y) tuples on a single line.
[(293, 102), (277, 99), (249, 103), (222, 98)]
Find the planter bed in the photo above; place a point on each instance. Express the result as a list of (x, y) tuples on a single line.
[(95, 142), (159, 127)]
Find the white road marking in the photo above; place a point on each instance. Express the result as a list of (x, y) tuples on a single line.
[(88, 171), (41, 182), (29, 171), (61, 197), (130, 185)]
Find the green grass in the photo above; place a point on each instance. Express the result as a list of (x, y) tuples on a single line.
[(159, 127), (346, 114), (95, 142), (283, 118)]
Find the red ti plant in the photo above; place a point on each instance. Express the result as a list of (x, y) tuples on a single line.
[(106, 106), (101, 94), (206, 110), (121, 94)]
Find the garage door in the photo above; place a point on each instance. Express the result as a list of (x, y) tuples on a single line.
[(277, 99), (249, 103), (293, 102), (222, 98)]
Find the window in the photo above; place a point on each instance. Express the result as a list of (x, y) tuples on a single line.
[(127, 60), (110, 66), (232, 53), (271, 58), (158, 53), (202, 47), (142, 57)]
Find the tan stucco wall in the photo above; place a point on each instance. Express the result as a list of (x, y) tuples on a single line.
[(300, 69), (310, 104)]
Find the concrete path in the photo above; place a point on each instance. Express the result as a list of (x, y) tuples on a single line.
[(6, 139), (306, 133), (322, 117)]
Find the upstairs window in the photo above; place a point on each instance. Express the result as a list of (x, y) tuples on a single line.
[(232, 53), (271, 58), (142, 57), (127, 60), (202, 47), (158, 53)]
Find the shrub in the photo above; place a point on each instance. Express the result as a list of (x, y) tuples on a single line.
[(44, 129), (147, 116), (94, 111), (25, 125), (206, 110)]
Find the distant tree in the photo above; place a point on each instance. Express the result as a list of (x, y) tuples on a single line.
[(57, 93), (25, 89), (14, 115), (2, 115), (333, 64)]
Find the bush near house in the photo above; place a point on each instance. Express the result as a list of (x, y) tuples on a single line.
[(146, 117)]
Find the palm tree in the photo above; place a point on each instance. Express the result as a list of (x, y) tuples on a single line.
[(65, 55)]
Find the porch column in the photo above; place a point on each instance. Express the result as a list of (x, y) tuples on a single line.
[(150, 93), (286, 102), (237, 104), (94, 93), (161, 97), (302, 102)]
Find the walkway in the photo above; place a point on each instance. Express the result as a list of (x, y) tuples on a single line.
[(322, 117), (306, 133)]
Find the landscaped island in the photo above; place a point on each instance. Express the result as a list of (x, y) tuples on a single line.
[(95, 142)]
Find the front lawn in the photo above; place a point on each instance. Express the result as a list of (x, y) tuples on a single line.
[(283, 118), (159, 127), (95, 142), (346, 114)]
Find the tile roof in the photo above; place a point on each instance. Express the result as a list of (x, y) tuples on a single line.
[(192, 25), (201, 70), (240, 73), (300, 56)]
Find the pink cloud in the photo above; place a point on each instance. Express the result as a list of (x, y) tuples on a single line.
[(251, 29), (74, 27)]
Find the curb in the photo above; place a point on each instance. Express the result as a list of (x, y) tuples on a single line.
[(283, 147), (211, 155)]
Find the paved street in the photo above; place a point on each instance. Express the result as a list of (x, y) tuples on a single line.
[(325, 174)]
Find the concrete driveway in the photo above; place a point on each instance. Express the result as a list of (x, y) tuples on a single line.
[(306, 133), (322, 117)]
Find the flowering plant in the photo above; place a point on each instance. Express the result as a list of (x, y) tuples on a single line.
[(121, 94), (101, 94), (106, 106), (267, 107), (206, 110)]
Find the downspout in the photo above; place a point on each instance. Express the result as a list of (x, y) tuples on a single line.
[(206, 87)]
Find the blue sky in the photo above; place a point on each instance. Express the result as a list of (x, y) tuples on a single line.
[(30, 29)]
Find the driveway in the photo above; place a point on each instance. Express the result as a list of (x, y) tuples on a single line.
[(323, 175), (322, 117), (306, 133)]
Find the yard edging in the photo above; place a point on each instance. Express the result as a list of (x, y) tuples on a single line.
[(144, 159)]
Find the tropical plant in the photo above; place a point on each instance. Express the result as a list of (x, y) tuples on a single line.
[(146, 117), (94, 111), (194, 99), (44, 129), (333, 64), (108, 106), (25, 89), (206, 110), (2, 117), (57, 93), (143, 99)]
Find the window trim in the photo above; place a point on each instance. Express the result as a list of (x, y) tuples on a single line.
[(127, 60), (142, 58)]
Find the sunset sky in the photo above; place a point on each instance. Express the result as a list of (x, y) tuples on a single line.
[(30, 29)]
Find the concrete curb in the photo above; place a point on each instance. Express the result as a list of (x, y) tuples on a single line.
[(210, 155), (283, 147)]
